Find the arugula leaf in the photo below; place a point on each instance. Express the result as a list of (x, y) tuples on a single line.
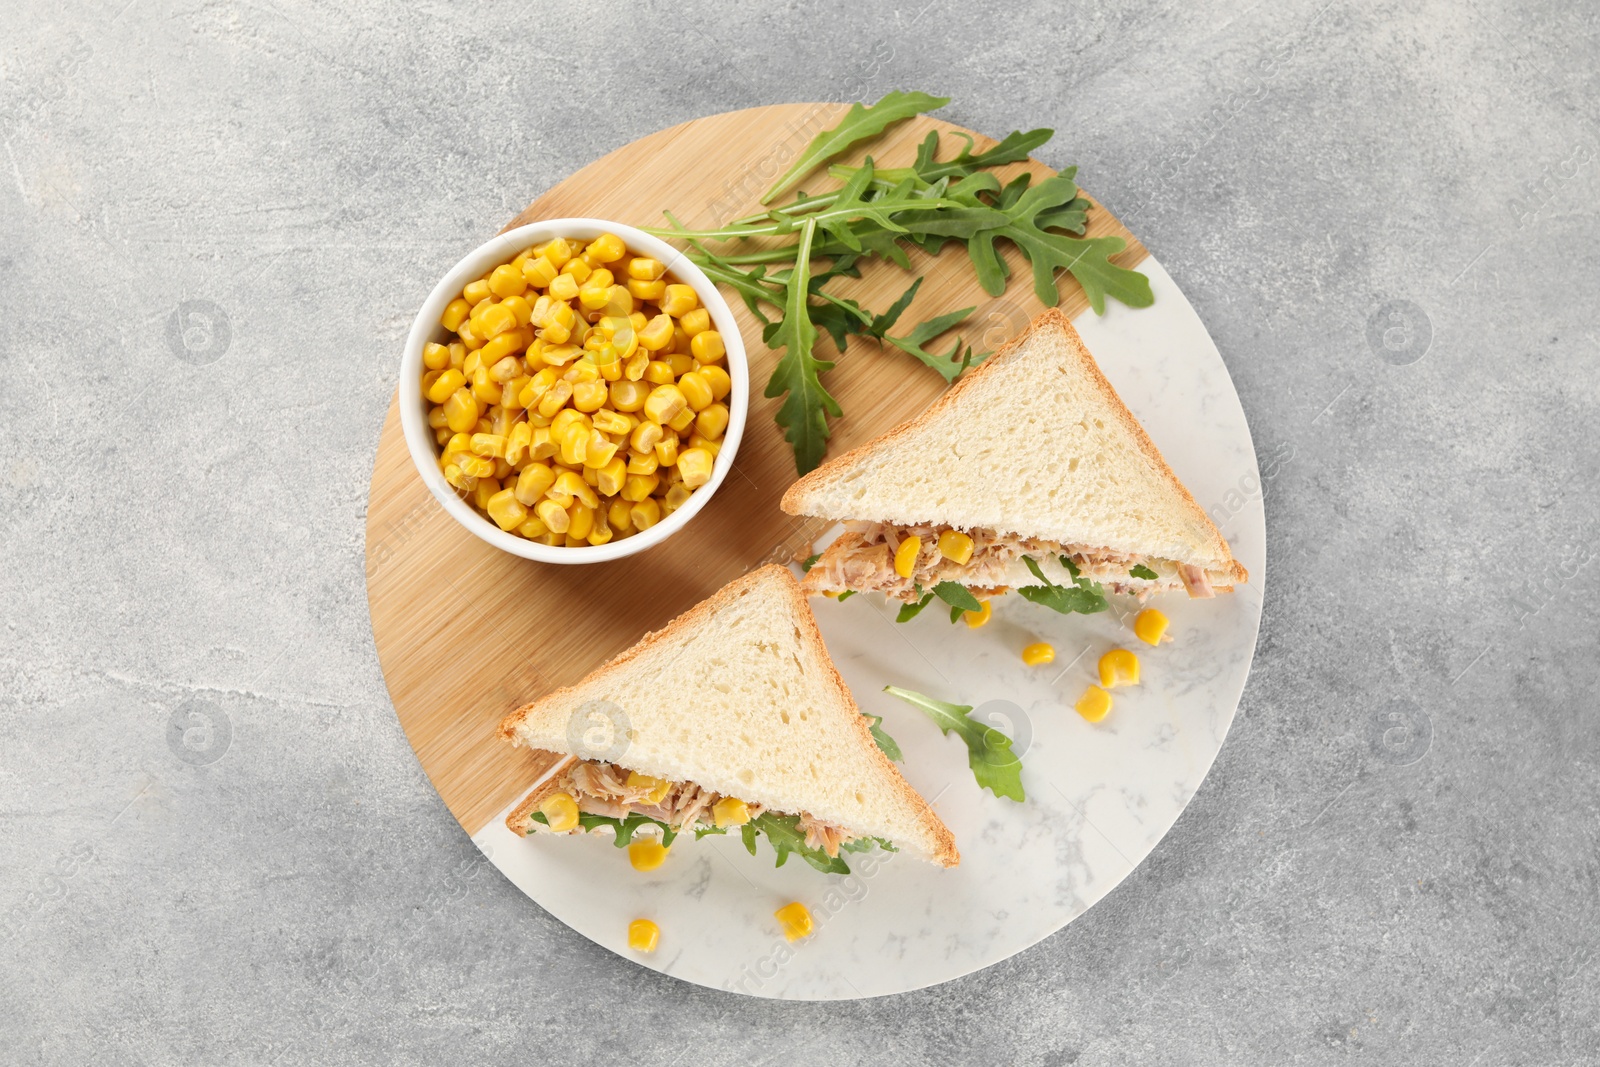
[(623, 828), (748, 833), (846, 595), (957, 596), (1030, 212), (881, 736), (1139, 570), (910, 611), (811, 561), (1015, 148), (783, 833), (952, 364), (994, 766), (806, 404), (955, 615), (1082, 597), (858, 124)]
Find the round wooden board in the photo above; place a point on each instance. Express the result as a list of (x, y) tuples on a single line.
[(466, 633)]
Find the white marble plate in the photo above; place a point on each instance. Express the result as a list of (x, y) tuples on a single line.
[(1100, 797)]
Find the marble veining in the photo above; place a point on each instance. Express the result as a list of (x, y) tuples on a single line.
[(1100, 797)]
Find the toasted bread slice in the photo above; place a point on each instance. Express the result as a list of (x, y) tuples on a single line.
[(738, 696), (1033, 444)]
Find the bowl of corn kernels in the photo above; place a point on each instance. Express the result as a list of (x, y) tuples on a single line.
[(574, 391)]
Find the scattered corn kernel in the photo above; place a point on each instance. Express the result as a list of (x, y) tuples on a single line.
[(905, 557), (795, 921), (1119, 667), (1038, 653), (646, 854), (560, 811), (1150, 626), (643, 935), (1095, 704)]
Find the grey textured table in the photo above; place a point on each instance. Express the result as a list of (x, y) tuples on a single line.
[(216, 221)]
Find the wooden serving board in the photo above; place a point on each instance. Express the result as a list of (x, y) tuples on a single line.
[(466, 633)]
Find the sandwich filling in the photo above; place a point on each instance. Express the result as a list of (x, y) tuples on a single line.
[(988, 563), (607, 795)]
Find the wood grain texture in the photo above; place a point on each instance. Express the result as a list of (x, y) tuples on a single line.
[(466, 633)]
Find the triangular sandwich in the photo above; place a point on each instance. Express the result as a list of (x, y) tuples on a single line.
[(730, 719), (1028, 473)]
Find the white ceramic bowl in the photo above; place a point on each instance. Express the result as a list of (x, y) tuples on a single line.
[(413, 408)]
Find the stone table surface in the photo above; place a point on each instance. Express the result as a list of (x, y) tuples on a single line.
[(1384, 213)]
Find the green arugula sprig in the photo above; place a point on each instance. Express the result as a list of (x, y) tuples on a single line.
[(884, 213), (858, 124), (994, 766), (1082, 596), (783, 833)]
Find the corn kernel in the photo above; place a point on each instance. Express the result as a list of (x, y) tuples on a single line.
[(1119, 667), (681, 363), (730, 811), (506, 280), (645, 512), (564, 287), (461, 410), (717, 378), (1095, 704), (455, 313), (475, 292), (539, 272), (643, 935), (504, 346), (532, 527), (646, 269), (599, 451), (647, 854), (975, 619), (609, 421), (540, 446), (534, 481), (518, 307), (955, 546), (634, 367), (458, 354), (445, 385), (590, 396), (506, 510), (580, 520), (667, 450), (1039, 653), (636, 487), (696, 390), (553, 515), (712, 422), (612, 477), (656, 334), (468, 337), (664, 403), (659, 372), (496, 320), (695, 322), (795, 920), (678, 300), (643, 290), (638, 462), (682, 421), (619, 515), (593, 296), (676, 498), (707, 347), (607, 248), (905, 557), (695, 465), (658, 786), (488, 444), (435, 356), (560, 811), (554, 398), (558, 251), (1150, 626), (578, 271), (486, 488)]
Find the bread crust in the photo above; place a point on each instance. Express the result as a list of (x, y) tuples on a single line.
[(944, 851), (794, 499)]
